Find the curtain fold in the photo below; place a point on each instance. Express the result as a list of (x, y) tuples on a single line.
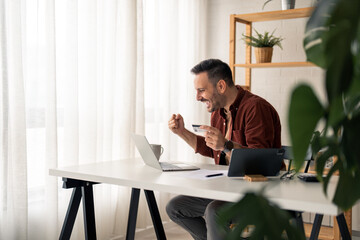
[(174, 41), (13, 163), (77, 78)]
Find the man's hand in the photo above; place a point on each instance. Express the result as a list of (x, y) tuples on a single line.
[(176, 124), (214, 138)]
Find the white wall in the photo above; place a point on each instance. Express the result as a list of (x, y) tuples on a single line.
[(275, 85)]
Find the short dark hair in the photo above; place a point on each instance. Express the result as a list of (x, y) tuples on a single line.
[(216, 70)]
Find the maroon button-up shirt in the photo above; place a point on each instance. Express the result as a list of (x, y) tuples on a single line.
[(255, 124)]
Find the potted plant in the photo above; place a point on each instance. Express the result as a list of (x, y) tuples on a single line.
[(263, 45), (285, 4), (332, 42)]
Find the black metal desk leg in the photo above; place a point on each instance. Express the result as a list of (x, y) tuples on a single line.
[(89, 213), (155, 215), (299, 222), (71, 214), (316, 227), (134, 204), (343, 227)]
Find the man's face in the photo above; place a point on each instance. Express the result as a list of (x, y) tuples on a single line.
[(207, 93)]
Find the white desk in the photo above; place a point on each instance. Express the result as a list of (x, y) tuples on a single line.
[(292, 194)]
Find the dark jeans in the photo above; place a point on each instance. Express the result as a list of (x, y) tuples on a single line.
[(196, 215)]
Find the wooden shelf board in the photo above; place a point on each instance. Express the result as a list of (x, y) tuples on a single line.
[(326, 233), (276, 65), (274, 15)]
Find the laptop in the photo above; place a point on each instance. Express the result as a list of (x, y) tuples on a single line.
[(150, 159), (264, 161)]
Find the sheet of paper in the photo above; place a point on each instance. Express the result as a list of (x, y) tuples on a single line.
[(204, 174)]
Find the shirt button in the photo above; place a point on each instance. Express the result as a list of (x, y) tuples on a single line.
[(224, 124), (218, 155)]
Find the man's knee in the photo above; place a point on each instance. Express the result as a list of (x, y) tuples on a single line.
[(174, 208), (211, 210), (171, 208)]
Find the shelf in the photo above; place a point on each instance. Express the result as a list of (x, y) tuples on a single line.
[(276, 65), (274, 15)]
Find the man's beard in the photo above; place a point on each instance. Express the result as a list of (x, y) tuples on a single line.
[(215, 102)]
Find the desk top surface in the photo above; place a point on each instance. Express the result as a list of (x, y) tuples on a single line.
[(291, 194)]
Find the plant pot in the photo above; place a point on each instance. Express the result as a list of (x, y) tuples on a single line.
[(263, 55), (287, 4)]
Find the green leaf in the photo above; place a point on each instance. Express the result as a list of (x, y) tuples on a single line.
[(336, 112), (304, 113), (316, 143), (345, 196), (353, 97), (351, 142), (266, 3), (316, 26), (262, 40), (341, 35), (340, 63), (321, 160), (269, 221), (326, 179)]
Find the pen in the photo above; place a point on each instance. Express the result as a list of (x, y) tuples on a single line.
[(214, 175)]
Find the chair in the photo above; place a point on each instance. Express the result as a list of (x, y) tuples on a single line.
[(288, 155)]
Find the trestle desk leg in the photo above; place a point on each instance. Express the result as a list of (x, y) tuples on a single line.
[(299, 221), (134, 204), (155, 215), (71, 214), (89, 213), (316, 227), (343, 227)]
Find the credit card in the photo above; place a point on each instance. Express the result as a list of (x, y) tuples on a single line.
[(198, 129)]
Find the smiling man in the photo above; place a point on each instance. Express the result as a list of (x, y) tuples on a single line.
[(239, 119)]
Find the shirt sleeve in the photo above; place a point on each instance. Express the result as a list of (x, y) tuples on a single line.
[(202, 148), (259, 126)]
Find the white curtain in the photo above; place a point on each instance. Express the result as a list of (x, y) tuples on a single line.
[(77, 77), (174, 41)]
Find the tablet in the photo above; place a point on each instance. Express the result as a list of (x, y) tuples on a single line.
[(250, 161)]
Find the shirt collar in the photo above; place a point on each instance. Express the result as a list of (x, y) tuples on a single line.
[(236, 103)]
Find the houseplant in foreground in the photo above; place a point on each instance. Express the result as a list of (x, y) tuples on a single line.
[(333, 43), (263, 45)]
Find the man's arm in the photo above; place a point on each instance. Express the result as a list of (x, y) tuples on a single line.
[(176, 125), (189, 138)]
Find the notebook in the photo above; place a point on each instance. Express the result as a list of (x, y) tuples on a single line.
[(264, 161), (150, 159)]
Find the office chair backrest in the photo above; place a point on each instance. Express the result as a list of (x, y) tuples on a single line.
[(288, 154)]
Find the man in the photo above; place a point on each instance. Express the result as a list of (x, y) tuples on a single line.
[(239, 119)]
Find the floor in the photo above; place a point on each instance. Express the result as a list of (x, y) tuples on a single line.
[(173, 232)]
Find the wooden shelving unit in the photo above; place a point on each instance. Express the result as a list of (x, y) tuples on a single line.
[(248, 19)]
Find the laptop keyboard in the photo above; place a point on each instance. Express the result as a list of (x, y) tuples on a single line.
[(168, 166)]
